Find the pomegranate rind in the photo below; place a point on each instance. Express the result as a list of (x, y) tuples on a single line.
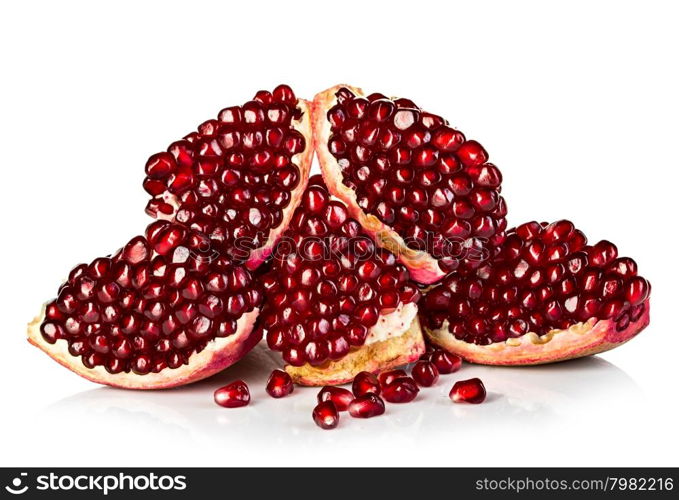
[(303, 161), (376, 357), (422, 266), (219, 354), (581, 339)]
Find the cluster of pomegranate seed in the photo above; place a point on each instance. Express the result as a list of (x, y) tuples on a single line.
[(328, 283), (161, 298), (419, 176), (232, 178), (369, 392), (545, 277)]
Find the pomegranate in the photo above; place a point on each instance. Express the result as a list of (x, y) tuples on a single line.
[(237, 178), (234, 395), (445, 362), (385, 378), (341, 397), (164, 311), (415, 183), (365, 383), (547, 296), (401, 390), (325, 415), (279, 384), (368, 406), (425, 373), (468, 391), (337, 305)]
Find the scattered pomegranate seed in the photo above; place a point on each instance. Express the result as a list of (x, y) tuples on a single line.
[(325, 415), (233, 395), (401, 390), (366, 406), (468, 391), (446, 362), (385, 378), (365, 383), (341, 397), (279, 384), (425, 373)]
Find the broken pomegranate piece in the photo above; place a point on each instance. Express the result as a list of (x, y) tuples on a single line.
[(547, 296), (337, 304), (414, 182), (237, 178), (165, 310)]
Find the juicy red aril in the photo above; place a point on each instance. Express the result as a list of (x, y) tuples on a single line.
[(328, 283), (279, 384), (446, 362), (233, 395), (232, 179), (152, 305), (386, 150), (366, 406), (425, 373), (468, 391), (544, 277), (365, 383), (400, 390), (325, 415), (339, 396), (385, 378)]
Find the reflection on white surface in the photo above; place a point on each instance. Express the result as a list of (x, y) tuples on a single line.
[(551, 398)]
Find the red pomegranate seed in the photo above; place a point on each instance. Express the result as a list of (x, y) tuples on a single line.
[(365, 383), (401, 390), (446, 362), (233, 395), (279, 384), (341, 397), (425, 373), (325, 415), (366, 406), (385, 378), (468, 391)]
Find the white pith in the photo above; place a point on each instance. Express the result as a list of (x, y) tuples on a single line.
[(393, 324)]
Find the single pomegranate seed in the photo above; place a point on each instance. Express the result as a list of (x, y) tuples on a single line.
[(365, 383), (339, 396), (468, 391), (446, 362), (366, 406), (385, 378), (401, 390), (233, 395), (279, 384), (425, 373), (325, 415)]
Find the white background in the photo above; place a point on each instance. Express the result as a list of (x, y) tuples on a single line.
[(577, 105)]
